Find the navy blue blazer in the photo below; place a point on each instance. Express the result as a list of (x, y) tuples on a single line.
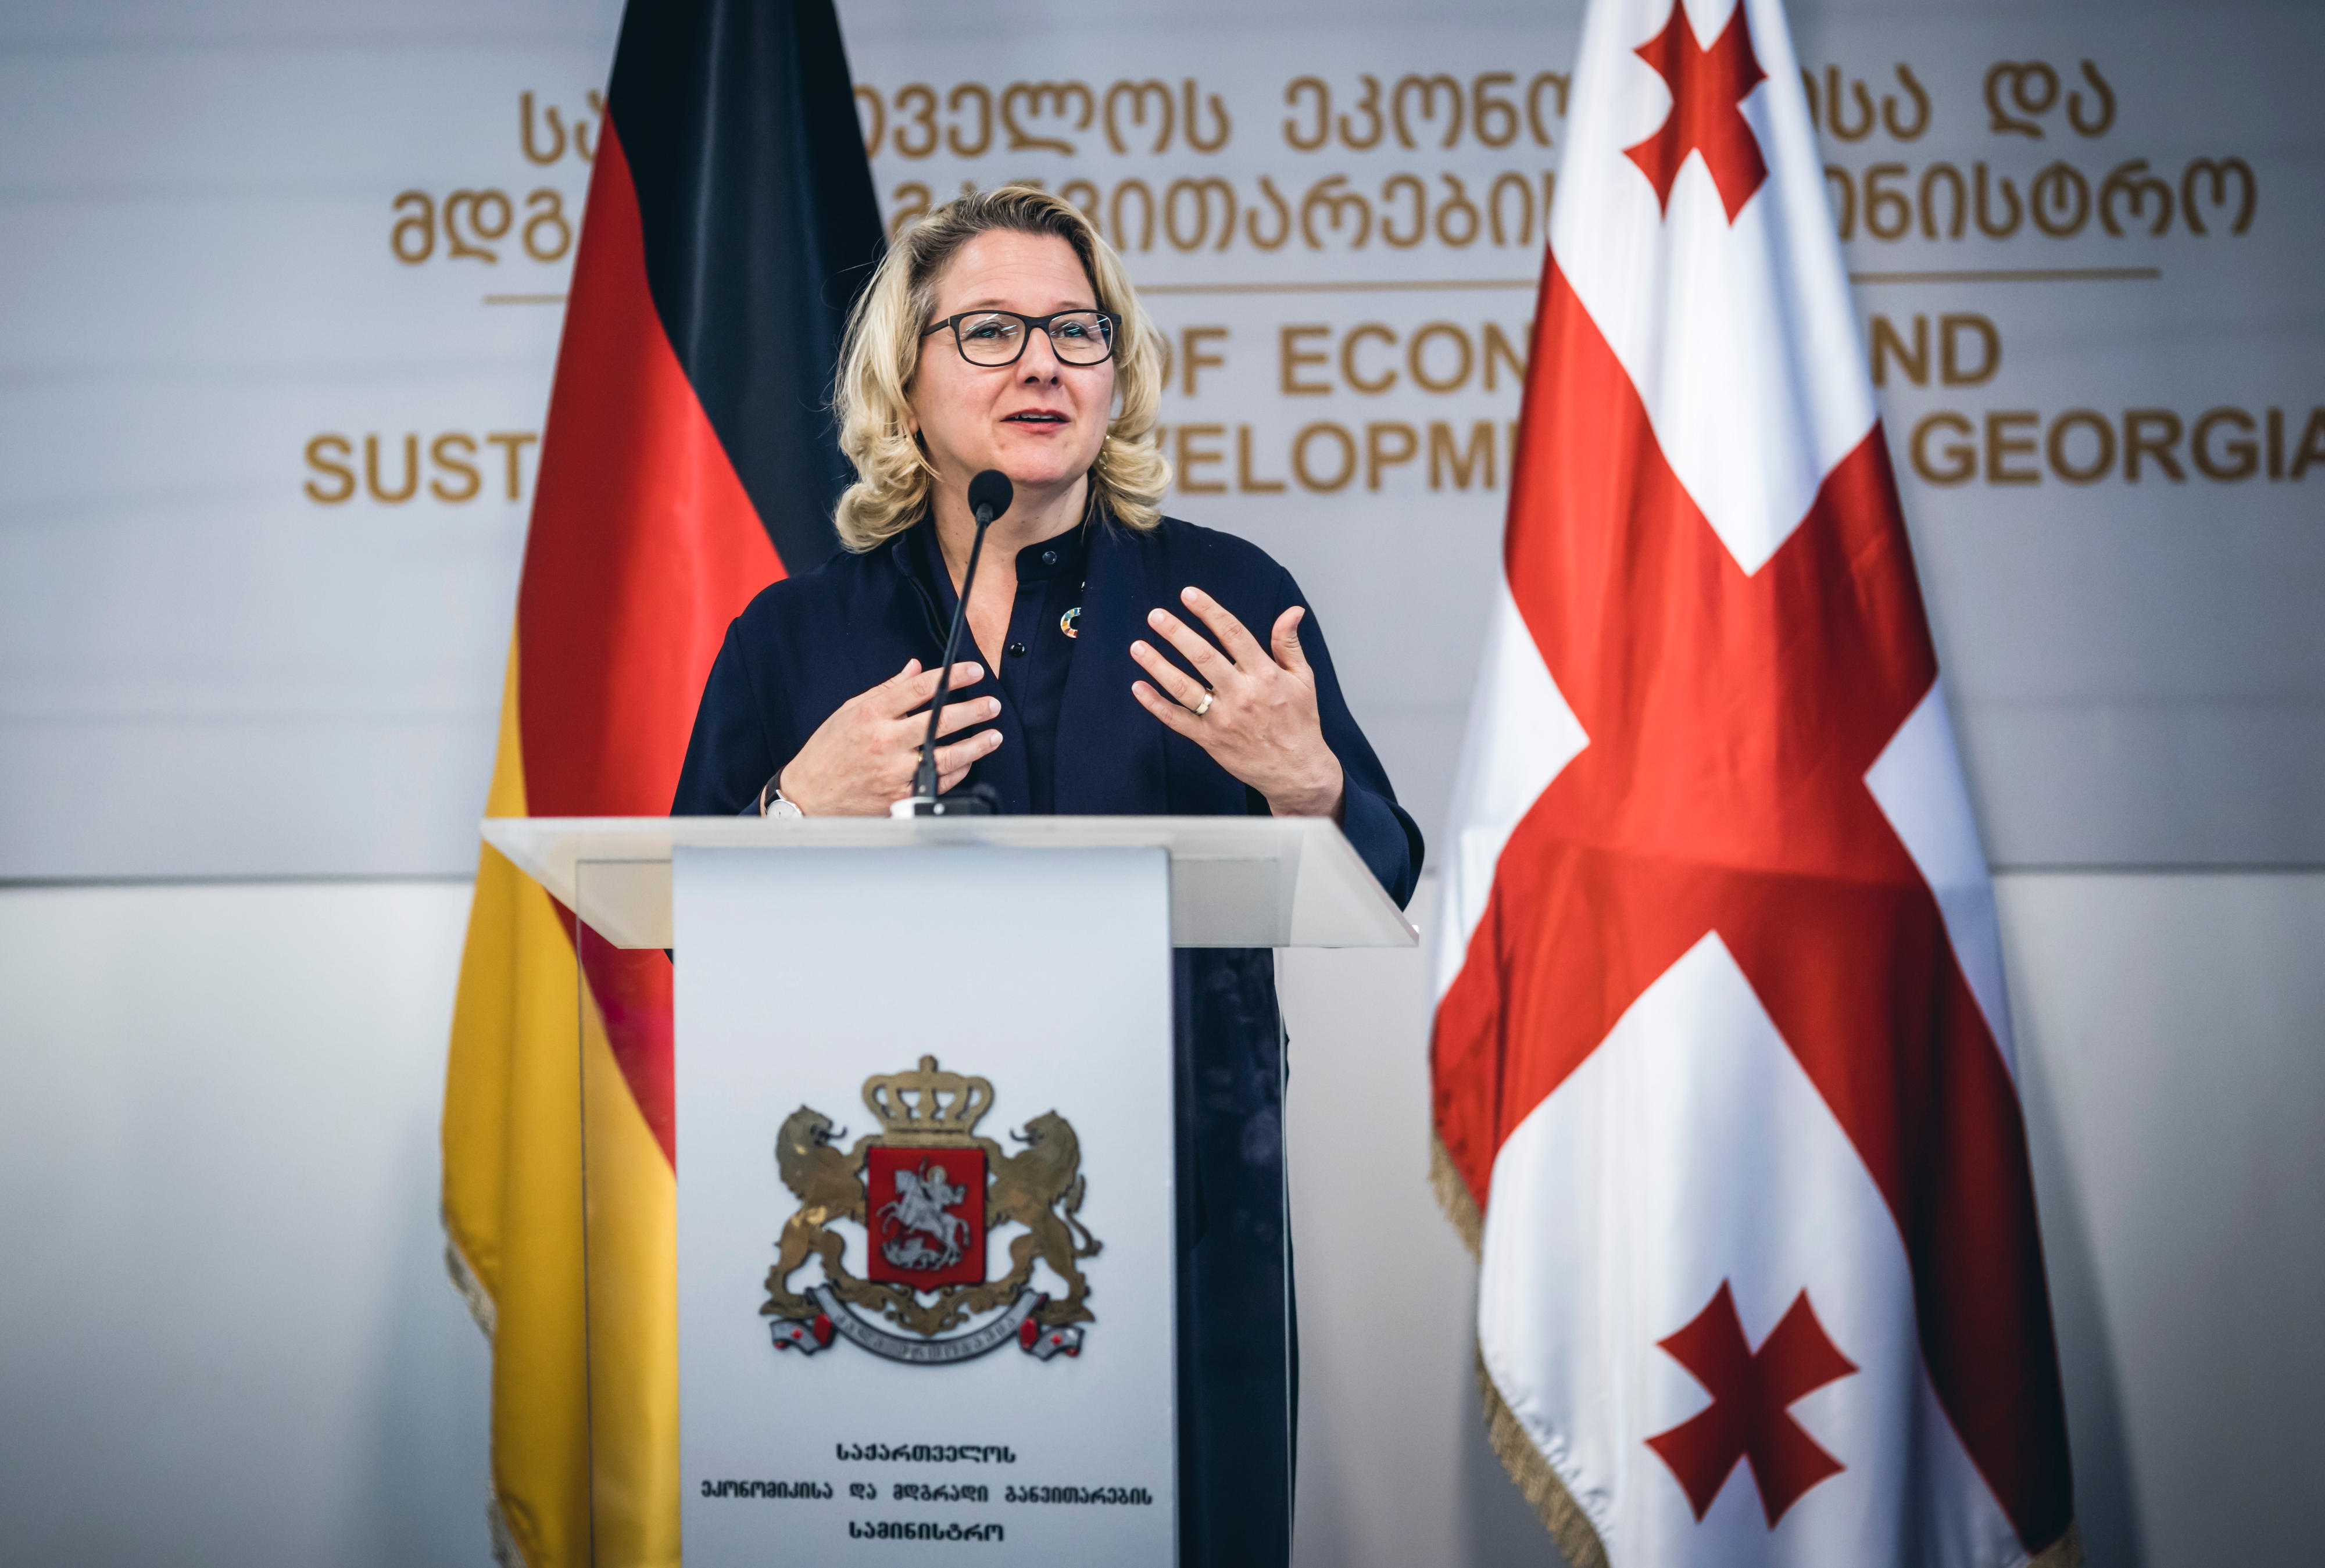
[(807, 644)]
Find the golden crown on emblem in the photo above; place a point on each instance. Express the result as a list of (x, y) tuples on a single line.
[(928, 1105)]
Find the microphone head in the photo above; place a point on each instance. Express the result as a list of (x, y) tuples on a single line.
[(990, 493)]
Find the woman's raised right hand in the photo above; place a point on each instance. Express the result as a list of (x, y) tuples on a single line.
[(860, 760)]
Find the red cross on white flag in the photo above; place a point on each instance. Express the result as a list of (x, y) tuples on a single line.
[(1724, 1077)]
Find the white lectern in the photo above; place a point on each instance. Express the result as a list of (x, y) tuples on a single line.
[(924, 1121)]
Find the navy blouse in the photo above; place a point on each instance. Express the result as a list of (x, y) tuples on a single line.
[(1075, 742)]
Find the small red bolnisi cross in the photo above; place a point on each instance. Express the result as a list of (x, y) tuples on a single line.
[(1708, 89), (1721, 1053), (1747, 1420)]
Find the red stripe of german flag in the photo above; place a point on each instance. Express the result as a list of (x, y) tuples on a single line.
[(687, 412)]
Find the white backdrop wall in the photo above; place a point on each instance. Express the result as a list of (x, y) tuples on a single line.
[(249, 309), (225, 1334)]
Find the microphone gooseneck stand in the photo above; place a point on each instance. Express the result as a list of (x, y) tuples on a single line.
[(989, 495)]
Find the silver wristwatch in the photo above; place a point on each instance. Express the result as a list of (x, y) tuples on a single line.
[(772, 804)]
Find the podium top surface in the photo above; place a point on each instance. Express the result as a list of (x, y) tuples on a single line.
[(1236, 881)]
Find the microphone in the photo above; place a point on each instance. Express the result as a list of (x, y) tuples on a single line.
[(989, 495)]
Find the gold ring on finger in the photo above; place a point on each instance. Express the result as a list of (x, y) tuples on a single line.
[(1203, 707)]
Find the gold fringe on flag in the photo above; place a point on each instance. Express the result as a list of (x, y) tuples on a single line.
[(1453, 1196), (1569, 1527), (464, 1280)]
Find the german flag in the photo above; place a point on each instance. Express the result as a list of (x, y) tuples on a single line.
[(688, 460)]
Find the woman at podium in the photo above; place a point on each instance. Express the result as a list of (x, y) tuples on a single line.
[(1125, 663)]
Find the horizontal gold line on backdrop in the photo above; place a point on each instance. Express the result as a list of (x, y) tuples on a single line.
[(1965, 275), (2016, 275), (1411, 285)]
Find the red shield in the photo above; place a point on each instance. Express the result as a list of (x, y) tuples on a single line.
[(927, 1216)]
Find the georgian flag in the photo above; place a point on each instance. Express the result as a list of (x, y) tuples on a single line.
[(1723, 1070)]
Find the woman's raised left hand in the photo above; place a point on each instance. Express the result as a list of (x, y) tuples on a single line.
[(1261, 723)]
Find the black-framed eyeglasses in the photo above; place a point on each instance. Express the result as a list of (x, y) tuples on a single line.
[(999, 338)]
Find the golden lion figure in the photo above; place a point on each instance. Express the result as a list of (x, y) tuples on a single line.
[(1030, 1188), (829, 1186)]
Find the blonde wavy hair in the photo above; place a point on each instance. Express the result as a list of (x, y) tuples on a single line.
[(882, 350)]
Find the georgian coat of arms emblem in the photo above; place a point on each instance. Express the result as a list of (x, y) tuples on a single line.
[(932, 1200)]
